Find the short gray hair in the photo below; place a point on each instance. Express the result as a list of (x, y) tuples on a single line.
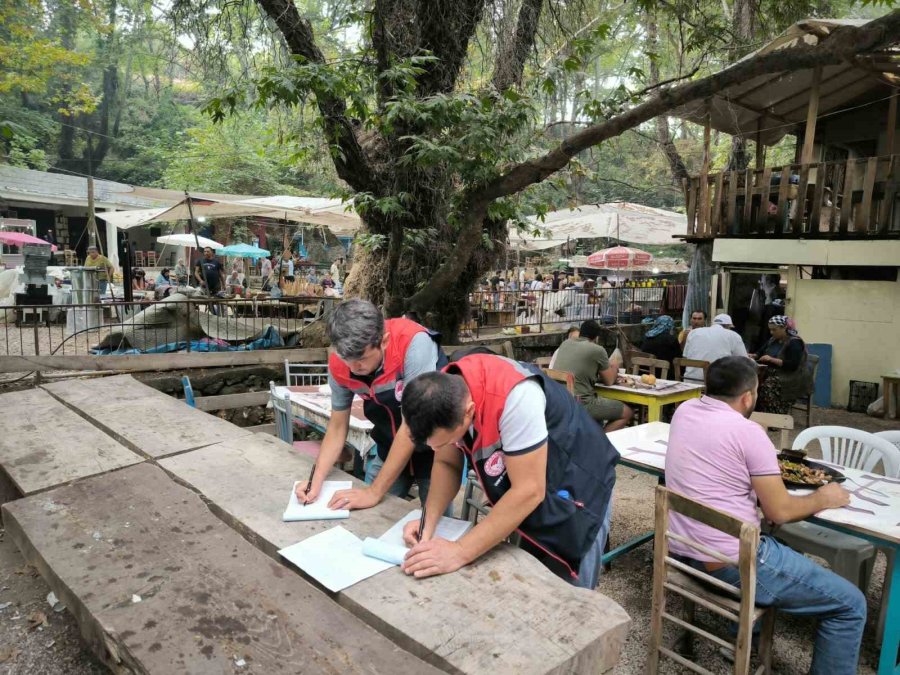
[(354, 326)]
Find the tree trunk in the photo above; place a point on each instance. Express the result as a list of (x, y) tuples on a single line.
[(742, 24), (677, 168)]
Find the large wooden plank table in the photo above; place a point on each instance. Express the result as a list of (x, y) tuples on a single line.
[(43, 444), (142, 418), (158, 584), (504, 613)]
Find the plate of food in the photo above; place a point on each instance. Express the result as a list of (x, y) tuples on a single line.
[(807, 473), (643, 382)]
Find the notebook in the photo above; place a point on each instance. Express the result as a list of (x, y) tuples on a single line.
[(318, 510), (390, 547)]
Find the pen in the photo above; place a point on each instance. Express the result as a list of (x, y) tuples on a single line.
[(421, 524), (312, 472)]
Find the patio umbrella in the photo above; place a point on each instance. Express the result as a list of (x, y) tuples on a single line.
[(243, 251), (187, 240), (11, 238), (619, 258)]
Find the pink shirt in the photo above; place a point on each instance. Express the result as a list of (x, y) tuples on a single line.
[(713, 451)]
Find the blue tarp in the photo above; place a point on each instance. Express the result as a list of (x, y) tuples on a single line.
[(269, 339)]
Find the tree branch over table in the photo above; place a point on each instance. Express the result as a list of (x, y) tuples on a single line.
[(845, 43)]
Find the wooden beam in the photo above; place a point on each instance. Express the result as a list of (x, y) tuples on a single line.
[(891, 124), (861, 223), (704, 178), (144, 362), (812, 113), (760, 148), (231, 401)]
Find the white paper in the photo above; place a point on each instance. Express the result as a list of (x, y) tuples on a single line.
[(334, 558), (318, 510), (391, 553), (450, 529)]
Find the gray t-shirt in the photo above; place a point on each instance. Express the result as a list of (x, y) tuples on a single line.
[(421, 357)]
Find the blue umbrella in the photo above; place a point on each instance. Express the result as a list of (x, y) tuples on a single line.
[(243, 251)]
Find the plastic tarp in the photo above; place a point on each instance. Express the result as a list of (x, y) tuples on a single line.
[(634, 223)]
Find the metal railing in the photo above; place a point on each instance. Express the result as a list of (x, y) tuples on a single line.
[(195, 324), (498, 310)]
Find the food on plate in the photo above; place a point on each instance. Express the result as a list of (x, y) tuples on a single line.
[(648, 379), (794, 472)]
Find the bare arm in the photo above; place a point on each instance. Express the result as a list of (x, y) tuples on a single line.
[(330, 450), (781, 507), (197, 274)]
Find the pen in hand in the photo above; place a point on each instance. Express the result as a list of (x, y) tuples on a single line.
[(312, 472), (421, 524)]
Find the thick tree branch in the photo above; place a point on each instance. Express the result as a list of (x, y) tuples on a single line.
[(352, 164), (844, 43), (677, 167), (447, 27), (514, 49)]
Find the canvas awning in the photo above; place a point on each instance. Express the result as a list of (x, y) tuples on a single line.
[(775, 104), (329, 213), (634, 223)]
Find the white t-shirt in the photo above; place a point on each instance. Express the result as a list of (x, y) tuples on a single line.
[(711, 343), (523, 426)]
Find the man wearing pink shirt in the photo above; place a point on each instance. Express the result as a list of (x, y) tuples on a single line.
[(720, 458)]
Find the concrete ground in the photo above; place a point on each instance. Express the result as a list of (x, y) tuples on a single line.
[(57, 646)]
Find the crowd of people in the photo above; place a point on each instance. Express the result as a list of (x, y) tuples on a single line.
[(548, 468)]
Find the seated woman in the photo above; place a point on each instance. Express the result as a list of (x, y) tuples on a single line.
[(786, 378), (661, 341), (138, 279), (165, 284)]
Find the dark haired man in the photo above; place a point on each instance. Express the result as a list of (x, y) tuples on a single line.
[(209, 272), (590, 364), (697, 320), (720, 458), (546, 468), (374, 359)]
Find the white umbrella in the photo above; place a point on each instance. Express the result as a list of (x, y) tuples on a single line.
[(188, 240)]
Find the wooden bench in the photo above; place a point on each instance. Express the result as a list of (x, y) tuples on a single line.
[(158, 584), (506, 612)]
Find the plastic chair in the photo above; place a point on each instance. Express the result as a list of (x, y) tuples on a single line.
[(892, 435), (305, 374), (850, 557), (284, 427), (699, 588), (151, 258), (188, 391), (853, 448), (805, 402)]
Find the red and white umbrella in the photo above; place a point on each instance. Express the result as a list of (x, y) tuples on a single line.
[(619, 258)]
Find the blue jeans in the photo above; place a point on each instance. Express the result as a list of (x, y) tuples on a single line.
[(103, 283), (591, 564), (792, 583), (401, 486)]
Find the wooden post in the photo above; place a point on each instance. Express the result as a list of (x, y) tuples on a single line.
[(811, 113), (760, 148), (93, 239), (703, 206), (891, 124)]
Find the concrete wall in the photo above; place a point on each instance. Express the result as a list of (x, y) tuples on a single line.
[(861, 319)]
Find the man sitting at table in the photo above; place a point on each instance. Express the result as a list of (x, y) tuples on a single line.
[(720, 458), (590, 365), (373, 358), (544, 465), (710, 343)]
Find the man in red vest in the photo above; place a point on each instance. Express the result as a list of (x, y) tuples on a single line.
[(545, 466), (373, 359)]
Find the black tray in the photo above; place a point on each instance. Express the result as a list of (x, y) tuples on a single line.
[(836, 476)]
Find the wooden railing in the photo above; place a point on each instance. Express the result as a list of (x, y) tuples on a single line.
[(857, 197)]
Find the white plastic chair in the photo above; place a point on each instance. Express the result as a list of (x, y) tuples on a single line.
[(305, 374), (893, 436), (852, 448)]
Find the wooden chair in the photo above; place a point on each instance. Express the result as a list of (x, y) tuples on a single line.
[(699, 588), (641, 365), (563, 377), (138, 258), (805, 403), (543, 362), (151, 258), (681, 364), (629, 354), (783, 423)]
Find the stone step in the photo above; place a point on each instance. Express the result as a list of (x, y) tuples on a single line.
[(142, 418), (44, 444), (158, 584), (504, 613)]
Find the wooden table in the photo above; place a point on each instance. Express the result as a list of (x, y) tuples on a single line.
[(891, 391), (644, 448), (665, 393), (312, 406)]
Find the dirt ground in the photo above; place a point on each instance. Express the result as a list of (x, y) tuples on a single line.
[(57, 646)]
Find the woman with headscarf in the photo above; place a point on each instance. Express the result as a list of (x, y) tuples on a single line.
[(660, 339), (786, 378)]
